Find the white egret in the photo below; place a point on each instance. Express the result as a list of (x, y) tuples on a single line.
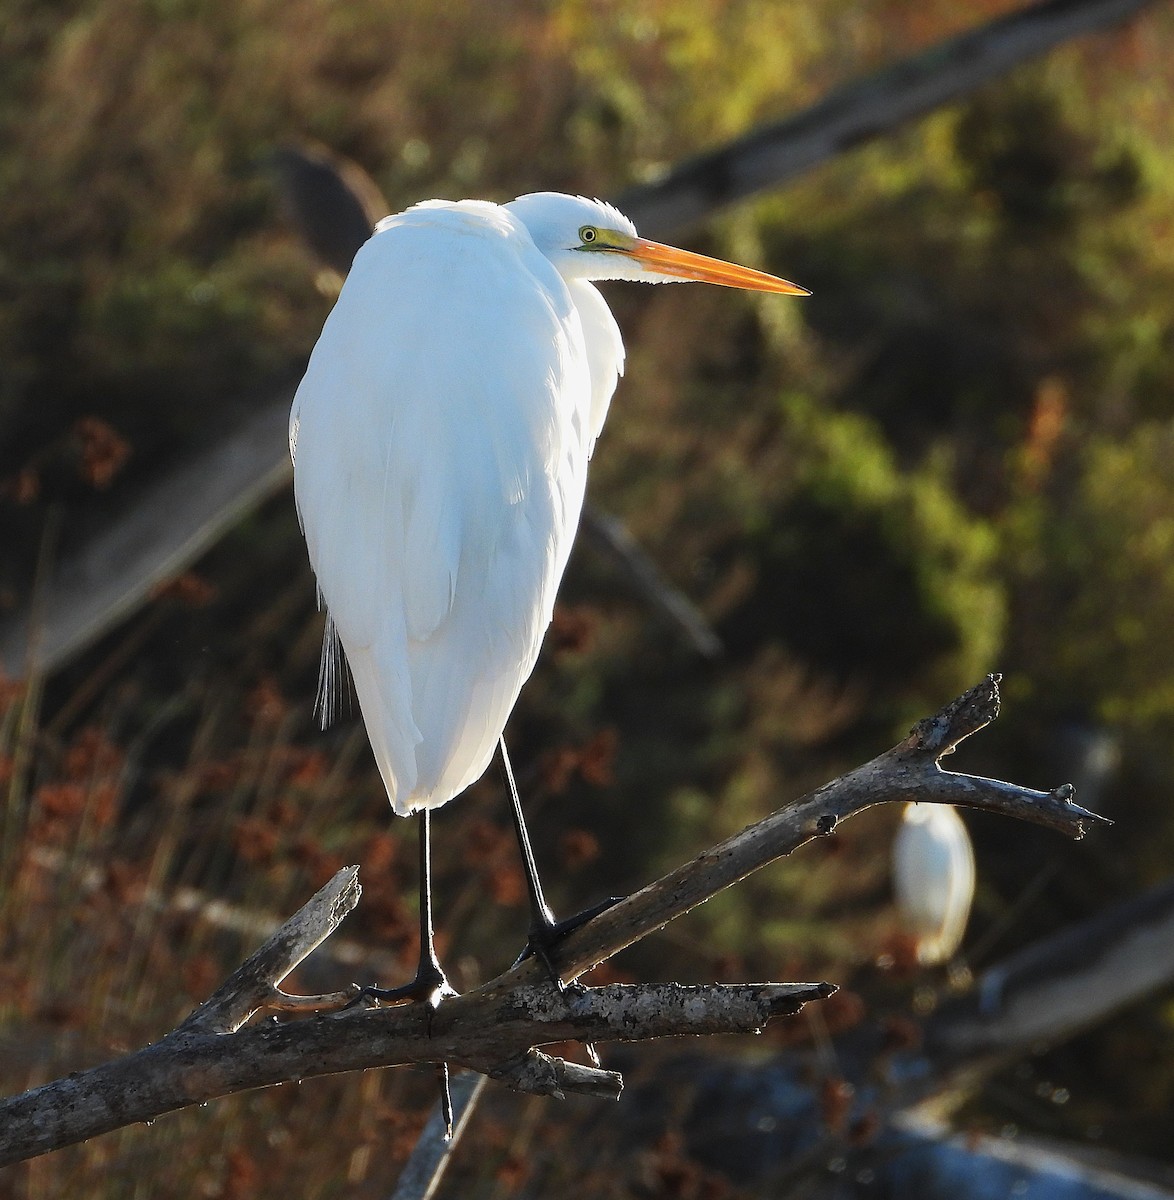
[(440, 440), (933, 879)]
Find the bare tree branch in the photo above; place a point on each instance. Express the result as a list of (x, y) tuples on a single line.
[(497, 1028), (174, 522), (253, 985), (249, 921), (492, 1031), (863, 111), (909, 771), (764, 1127), (921, 1156), (1042, 995), (610, 535)]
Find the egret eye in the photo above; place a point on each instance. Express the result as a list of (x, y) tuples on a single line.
[(588, 234)]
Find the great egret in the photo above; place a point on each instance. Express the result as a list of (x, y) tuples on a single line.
[(933, 878), (440, 440)]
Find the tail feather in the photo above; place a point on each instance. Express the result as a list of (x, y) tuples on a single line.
[(335, 685)]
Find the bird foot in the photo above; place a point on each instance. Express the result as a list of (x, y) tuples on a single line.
[(430, 987), (546, 935)]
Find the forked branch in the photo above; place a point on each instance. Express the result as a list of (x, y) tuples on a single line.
[(497, 1029), (911, 770)]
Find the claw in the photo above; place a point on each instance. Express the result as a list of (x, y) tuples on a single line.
[(429, 987), (545, 935)]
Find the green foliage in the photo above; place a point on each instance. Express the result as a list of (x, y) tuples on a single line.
[(866, 571), (1113, 541)]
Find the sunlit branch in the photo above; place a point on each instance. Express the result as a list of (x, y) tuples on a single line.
[(497, 1028)]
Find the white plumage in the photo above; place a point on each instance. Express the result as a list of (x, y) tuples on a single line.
[(933, 878), (440, 440)]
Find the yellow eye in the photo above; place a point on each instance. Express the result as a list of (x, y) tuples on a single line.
[(588, 234)]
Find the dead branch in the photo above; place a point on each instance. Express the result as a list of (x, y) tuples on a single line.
[(864, 110), (1043, 994), (763, 1127), (909, 771), (610, 536), (491, 1032), (497, 1028), (175, 521), (248, 921), (253, 985)]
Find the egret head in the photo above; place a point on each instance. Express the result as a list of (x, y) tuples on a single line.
[(589, 239)]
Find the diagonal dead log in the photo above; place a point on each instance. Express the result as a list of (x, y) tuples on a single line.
[(865, 110), (429, 1159), (174, 522), (1055, 988)]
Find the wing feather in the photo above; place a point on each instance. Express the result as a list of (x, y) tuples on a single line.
[(441, 460)]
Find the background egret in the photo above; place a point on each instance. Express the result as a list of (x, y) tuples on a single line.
[(440, 440), (933, 878)]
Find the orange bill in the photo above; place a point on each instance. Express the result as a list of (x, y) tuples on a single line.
[(684, 264)]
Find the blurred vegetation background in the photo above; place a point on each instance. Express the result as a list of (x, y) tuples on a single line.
[(956, 456)]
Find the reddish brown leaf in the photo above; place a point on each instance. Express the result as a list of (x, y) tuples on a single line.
[(578, 848), (104, 451)]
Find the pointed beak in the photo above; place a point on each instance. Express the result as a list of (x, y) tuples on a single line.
[(683, 264)]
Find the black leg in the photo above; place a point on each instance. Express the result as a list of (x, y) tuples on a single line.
[(545, 931), (541, 918), (430, 984), (445, 1099)]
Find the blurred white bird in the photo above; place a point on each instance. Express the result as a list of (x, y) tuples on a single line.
[(440, 440), (933, 878)]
